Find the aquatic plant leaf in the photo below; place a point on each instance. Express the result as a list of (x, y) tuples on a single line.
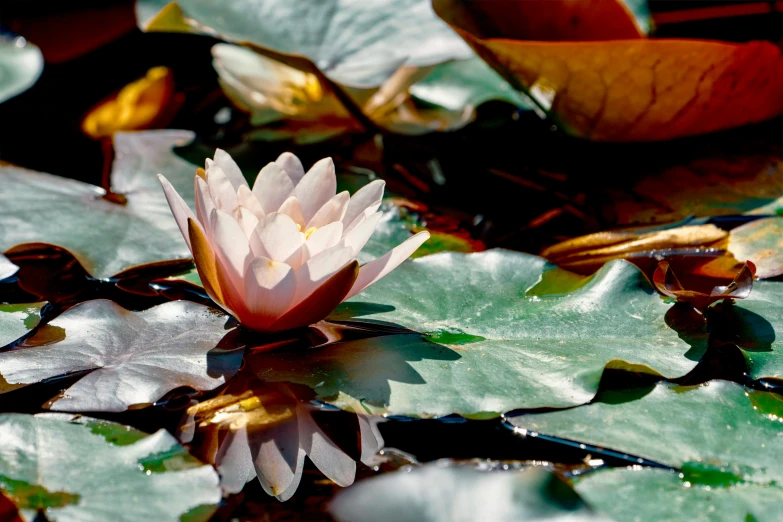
[(106, 237), (622, 88), (132, 357), (529, 351), (760, 241), (353, 43), (650, 495), (721, 425), (140, 477), (435, 493), (21, 63), (667, 283), (18, 319)]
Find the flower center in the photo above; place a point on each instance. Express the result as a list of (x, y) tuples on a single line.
[(308, 232)]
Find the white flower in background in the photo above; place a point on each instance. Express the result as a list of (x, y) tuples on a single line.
[(283, 254), (7, 268)]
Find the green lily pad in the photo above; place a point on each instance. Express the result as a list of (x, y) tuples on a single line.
[(67, 467), (436, 493), (720, 433), (652, 495), (21, 64), (105, 236), (528, 351), (18, 319), (760, 241)]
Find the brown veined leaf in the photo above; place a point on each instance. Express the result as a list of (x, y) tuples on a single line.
[(629, 89), (668, 284), (760, 241)]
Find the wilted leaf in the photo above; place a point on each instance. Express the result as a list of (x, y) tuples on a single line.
[(105, 236), (761, 242), (720, 425), (265, 430), (522, 351), (667, 283), (18, 319), (132, 357), (652, 495), (623, 88), (356, 44), (439, 494), (132, 476), (21, 63)]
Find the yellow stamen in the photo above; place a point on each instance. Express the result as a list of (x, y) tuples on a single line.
[(309, 232)]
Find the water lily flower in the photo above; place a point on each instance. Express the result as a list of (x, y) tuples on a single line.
[(283, 254)]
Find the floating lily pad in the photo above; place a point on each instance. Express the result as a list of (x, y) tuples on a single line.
[(651, 495), (439, 494), (18, 319), (135, 357), (136, 477), (105, 236), (21, 63), (529, 351), (761, 242), (720, 430)]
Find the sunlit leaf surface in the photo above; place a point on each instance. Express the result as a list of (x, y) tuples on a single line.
[(761, 242), (105, 236), (135, 357), (17, 320), (718, 430), (440, 494), (132, 476), (503, 350), (651, 495), (21, 64), (353, 43)]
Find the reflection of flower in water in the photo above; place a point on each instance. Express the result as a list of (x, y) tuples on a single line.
[(264, 430)]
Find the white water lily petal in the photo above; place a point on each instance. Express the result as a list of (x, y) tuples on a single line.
[(374, 270), (179, 208), (234, 461), (317, 187), (135, 357), (272, 187), (7, 268), (276, 237), (327, 457), (333, 210), (269, 288), (324, 238), (317, 270), (247, 221), (365, 201), (230, 169), (361, 233), (292, 166), (231, 246), (223, 193), (292, 209), (247, 199), (279, 459), (372, 440), (204, 205)]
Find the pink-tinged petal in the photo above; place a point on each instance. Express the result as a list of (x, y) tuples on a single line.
[(272, 187), (223, 193), (224, 160), (276, 237), (318, 269), (325, 454), (246, 198), (365, 201), (292, 209), (204, 205), (323, 238), (279, 460), (231, 246), (247, 220), (374, 270), (317, 187), (179, 208), (292, 166), (234, 461), (269, 290), (333, 210), (206, 264), (361, 233), (320, 302)]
